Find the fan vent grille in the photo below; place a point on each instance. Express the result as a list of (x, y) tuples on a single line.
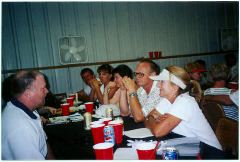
[(72, 50)]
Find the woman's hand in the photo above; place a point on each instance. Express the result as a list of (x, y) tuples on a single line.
[(155, 114), (94, 83), (162, 117), (110, 85), (52, 110)]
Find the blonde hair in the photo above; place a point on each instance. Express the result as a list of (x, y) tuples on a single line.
[(180, 73), (196, 91), (193, 87), (219, 72)]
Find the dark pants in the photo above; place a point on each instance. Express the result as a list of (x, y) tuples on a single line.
[(209, 152)]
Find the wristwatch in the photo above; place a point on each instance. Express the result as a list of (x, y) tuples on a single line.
[(132, 94)]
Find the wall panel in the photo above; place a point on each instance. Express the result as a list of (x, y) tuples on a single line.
[(23, 35), (123, 31), (10, 59), (113, 31)]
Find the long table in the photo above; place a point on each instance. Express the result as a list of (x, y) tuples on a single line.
[(72, 141)]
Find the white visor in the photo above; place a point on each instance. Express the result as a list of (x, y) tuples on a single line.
[(166, 75)]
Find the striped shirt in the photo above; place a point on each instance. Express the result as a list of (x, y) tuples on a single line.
[(230, 111), (217, 91)]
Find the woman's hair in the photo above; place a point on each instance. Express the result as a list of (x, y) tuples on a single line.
[(123, 70), (193, 87), (106, 68), (219, 72)]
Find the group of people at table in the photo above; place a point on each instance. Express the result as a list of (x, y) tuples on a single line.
[(165, 101)]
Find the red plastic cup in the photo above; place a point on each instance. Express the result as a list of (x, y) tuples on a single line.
[(156, 54), (65, 109), (146, 151), (72, 95), (70, 100), (150, 54), (89, 107), (118, 130), (233, 85), (97, 133), (160, 54), (104, 151), (105, 120)]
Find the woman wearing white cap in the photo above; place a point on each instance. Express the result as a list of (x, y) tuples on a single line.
[(182, 113)]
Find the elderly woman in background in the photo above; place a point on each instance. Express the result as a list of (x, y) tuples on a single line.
[(219, 93), (182, 114), (120, 98)]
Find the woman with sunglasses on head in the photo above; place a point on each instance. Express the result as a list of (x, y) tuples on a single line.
[(182, 114)]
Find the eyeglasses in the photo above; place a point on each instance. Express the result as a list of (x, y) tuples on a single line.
[(140, 75)]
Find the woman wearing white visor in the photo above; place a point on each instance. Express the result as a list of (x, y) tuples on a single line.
[(182, 114)]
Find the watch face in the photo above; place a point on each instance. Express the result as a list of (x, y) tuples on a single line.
[(133, 94)]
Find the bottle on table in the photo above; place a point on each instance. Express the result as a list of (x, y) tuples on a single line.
[(88, 120)]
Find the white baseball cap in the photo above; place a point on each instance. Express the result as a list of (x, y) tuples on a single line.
[(166, 75)]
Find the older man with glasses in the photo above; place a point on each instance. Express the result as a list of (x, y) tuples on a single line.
[(143, 92)]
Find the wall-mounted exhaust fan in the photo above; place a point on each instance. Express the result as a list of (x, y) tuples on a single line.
[(72, 50)]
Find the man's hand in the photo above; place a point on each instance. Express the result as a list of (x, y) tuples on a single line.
[(44, 120), (129, 84)]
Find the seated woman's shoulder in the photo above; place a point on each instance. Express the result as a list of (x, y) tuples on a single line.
[(186, 97)]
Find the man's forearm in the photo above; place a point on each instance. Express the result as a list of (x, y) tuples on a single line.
[(136, 109)]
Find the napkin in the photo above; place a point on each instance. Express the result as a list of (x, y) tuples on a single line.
[(101, 111), (138, 133), (125, 154), (134, 143), (76, 117), (58, 120), (75, 114), (74, 109), (97, 116), (76, 103)]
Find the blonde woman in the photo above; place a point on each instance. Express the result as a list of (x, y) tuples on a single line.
[(182, 114)]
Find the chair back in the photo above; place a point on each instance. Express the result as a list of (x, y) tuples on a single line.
[(60, 96), (227, 134), (213, 112)]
